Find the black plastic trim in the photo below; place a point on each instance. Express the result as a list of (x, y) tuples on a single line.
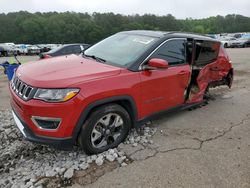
[(158, 115), (86, 111), (60, 143)]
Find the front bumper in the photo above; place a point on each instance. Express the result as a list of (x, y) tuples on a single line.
[(61, 143), (64, 136), (69, 113)]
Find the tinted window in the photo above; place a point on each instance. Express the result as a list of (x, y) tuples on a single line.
[(172, 51), (76, 49), (206, 51), (67, 50)]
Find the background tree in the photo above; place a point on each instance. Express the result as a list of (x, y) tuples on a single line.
[(71, 27)]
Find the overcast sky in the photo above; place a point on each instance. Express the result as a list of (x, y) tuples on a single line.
[(178, 8)]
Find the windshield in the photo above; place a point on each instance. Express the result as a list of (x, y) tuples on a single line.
[(121, 49)]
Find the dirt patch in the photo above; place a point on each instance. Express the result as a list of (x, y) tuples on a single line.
[(90, 175), (81, 177)]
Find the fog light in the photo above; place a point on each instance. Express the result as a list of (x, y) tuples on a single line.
[(46, 123)]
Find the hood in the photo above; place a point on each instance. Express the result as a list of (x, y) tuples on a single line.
[(63, 71)]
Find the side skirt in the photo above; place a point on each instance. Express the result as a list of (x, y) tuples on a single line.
[(160, 114)]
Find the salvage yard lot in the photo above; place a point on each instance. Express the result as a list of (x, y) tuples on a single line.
[(205, 147)]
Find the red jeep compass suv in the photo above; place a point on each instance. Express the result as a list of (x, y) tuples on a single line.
[(94, 99)]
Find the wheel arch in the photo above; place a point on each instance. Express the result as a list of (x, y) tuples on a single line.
[(126, 101), (229, 77)]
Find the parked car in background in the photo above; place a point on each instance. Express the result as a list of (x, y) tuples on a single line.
[(8, 48), (66, 49), (246, 35), (241, 43), (44, 48), (27, 49), (235, 42), (228, 42), (120, 83), (33, 50), (245, 40), (21, 49), (2, 51)]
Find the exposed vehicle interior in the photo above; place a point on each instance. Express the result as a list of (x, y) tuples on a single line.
[(199, 54)]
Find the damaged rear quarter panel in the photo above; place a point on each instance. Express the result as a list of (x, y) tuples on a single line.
[(211, 72)]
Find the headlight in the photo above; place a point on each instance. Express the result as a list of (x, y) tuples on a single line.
[(55, 95)]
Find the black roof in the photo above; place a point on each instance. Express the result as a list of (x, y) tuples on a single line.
[(169, 34)]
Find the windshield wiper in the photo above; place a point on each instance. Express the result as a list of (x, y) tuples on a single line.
[(95, 58)]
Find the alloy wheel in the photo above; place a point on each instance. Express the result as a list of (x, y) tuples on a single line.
[(107, 130)]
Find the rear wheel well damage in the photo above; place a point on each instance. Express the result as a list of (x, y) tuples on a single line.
[(197, 90)]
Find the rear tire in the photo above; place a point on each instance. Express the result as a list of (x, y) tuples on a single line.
[(229, 78), (105, 128)]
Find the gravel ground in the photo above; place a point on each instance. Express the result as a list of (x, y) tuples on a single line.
[(25, 164)]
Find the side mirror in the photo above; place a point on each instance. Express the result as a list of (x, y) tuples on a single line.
[(155, 64)]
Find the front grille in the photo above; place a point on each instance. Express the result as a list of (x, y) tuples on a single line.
[(23, 90)]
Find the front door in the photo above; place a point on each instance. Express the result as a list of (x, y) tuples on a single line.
[(163, 89)]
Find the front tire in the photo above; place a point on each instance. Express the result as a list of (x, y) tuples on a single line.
[(105, 128)]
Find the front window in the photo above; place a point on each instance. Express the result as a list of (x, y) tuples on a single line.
[(173, 51), (121, 49)]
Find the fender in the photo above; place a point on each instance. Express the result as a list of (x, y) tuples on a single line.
[(91, 106)]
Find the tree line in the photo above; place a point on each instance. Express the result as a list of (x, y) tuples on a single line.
[(71, 27)]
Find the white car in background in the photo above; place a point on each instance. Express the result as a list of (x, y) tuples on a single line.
[(232, 42), (21, 49), (8, 48), (228, 42), (33, 50), (242, 42)]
